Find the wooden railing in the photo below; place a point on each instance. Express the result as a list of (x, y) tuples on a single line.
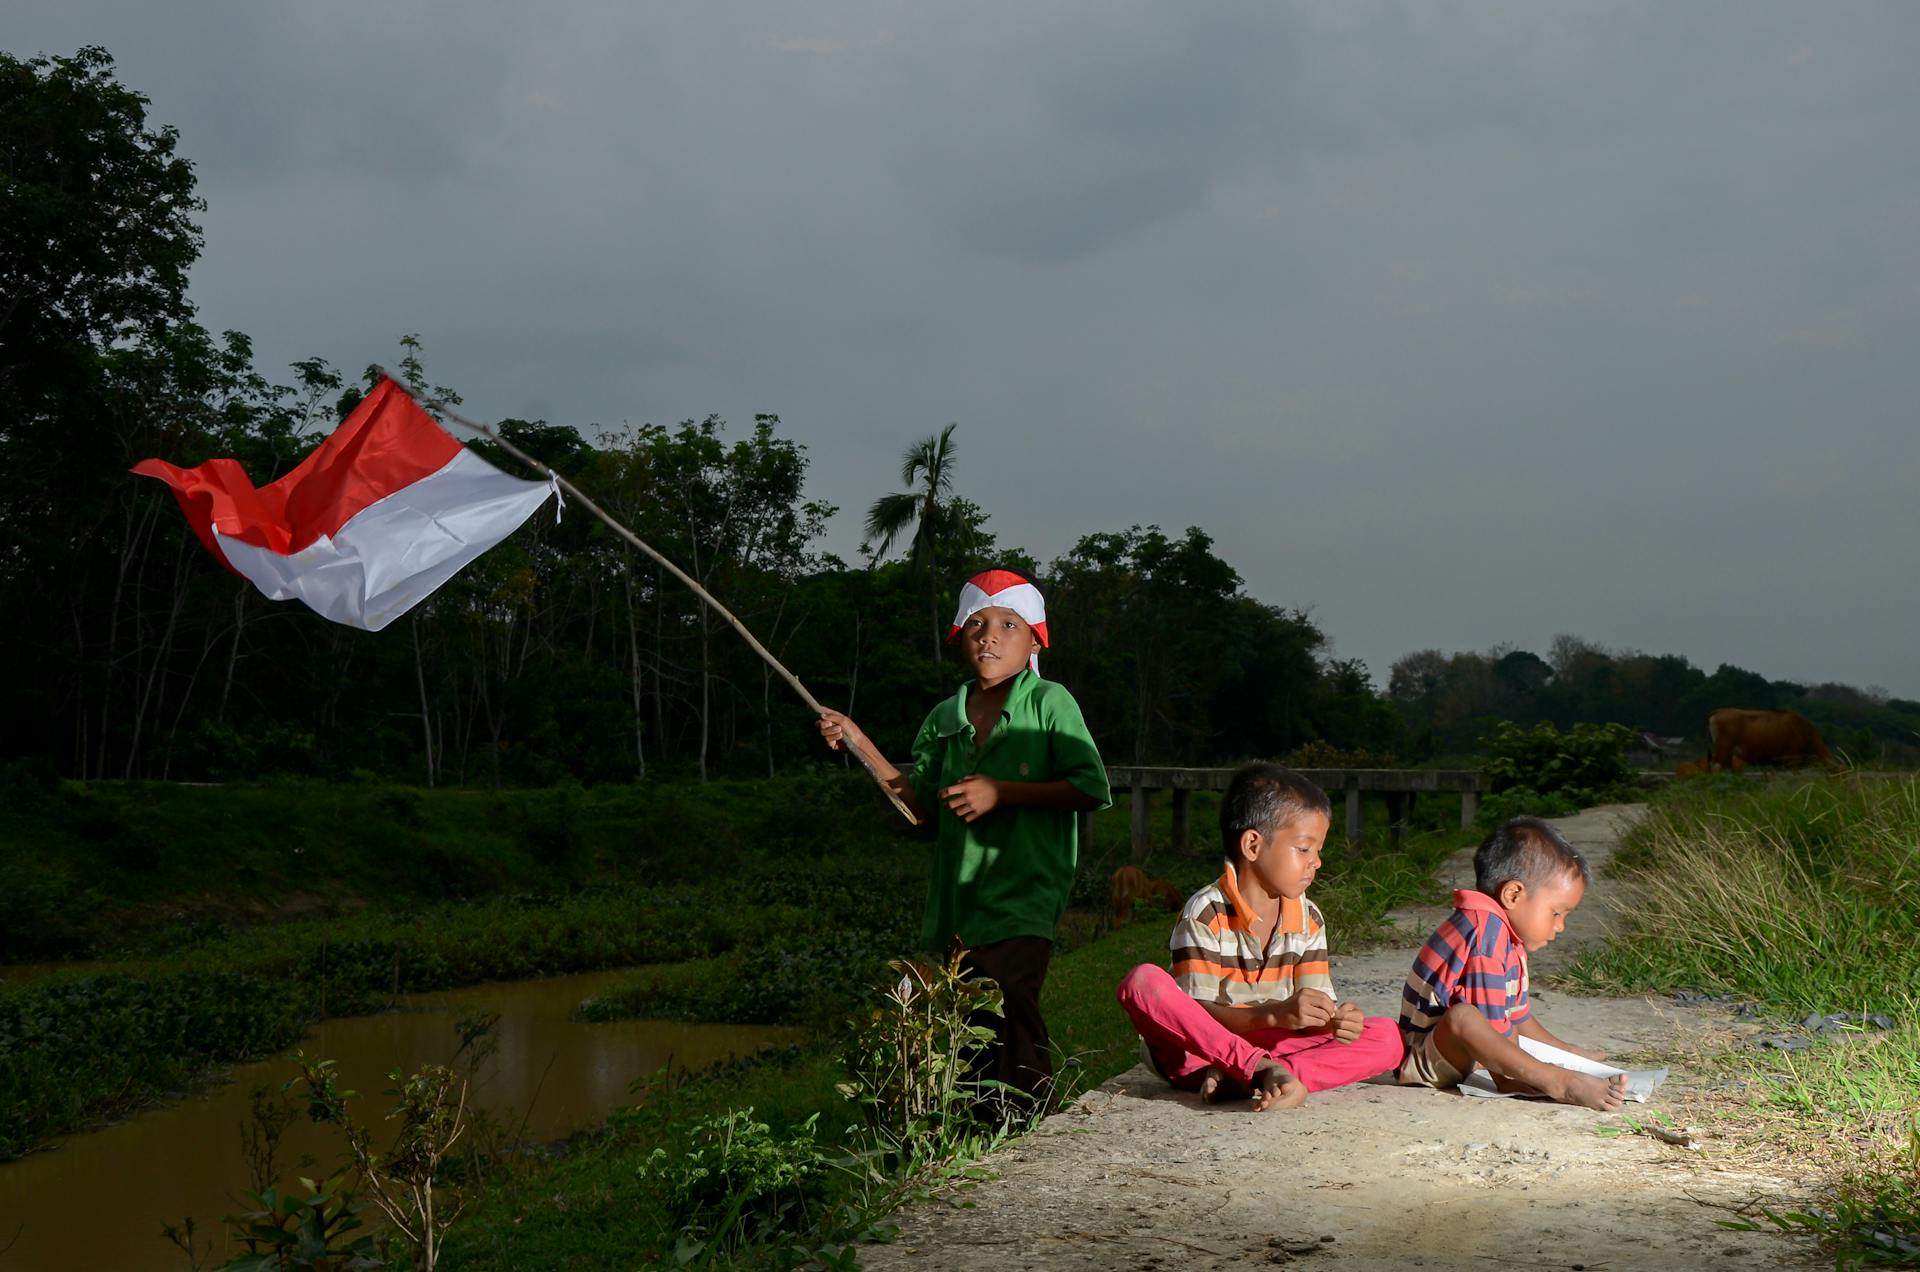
[(1400, 786)]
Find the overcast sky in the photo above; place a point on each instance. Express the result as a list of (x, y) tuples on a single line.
[(1455, 324)]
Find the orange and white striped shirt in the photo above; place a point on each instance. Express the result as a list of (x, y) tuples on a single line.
[(1217, 959)]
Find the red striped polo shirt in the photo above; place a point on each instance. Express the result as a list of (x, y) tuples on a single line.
[(1473, 958)]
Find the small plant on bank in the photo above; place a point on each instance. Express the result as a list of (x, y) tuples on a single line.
[(403, 1181), (911, 1063)]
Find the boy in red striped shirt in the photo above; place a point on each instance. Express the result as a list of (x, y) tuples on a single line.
[(1466, 998), (1249, 1007)]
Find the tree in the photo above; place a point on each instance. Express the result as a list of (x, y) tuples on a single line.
[(1157, 623), (929, 466), (96, 226)]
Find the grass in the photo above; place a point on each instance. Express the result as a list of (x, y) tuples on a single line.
[(1801, 895)]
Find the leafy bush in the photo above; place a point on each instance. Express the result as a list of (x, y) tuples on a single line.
[(1586, 759)]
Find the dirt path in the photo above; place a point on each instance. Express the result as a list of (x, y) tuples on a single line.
[(1137, 1175)]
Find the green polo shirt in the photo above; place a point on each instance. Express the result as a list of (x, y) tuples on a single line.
[(1007, 874)]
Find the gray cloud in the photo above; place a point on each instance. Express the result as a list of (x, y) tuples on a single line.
[(1458, 325)]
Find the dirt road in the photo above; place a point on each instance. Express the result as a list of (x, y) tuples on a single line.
[(1137, 1175)]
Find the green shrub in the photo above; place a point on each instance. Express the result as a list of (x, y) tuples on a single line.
[(1586, 759)]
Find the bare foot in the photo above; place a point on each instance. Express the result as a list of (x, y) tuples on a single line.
[(1275, 1087), (1604, 1094), (1210, 1083)]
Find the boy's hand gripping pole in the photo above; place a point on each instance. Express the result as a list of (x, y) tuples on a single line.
[(869, 762)]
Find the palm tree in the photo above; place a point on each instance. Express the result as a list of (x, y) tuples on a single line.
[(927, 468)]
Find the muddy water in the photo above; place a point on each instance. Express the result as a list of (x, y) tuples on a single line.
[(98, 1201)]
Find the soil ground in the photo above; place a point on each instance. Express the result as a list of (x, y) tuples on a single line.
[(1138, 1175)]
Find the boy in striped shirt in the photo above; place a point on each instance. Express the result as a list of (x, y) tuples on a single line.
[(1249, 1007), (1466, 998)]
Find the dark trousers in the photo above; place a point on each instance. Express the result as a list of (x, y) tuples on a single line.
[(1019, 1056)]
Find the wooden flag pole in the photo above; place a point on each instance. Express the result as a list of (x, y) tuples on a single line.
[(869, 762)]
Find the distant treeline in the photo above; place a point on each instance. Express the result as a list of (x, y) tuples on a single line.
[(1448, 702), (563, 653), (130, 653)]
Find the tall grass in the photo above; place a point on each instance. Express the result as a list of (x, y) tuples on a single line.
[(1802, 894)]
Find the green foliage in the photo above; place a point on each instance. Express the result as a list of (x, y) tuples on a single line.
[(1863, 1097), (75, 1048), (45, 913), (1586, 759), (603, 1204)]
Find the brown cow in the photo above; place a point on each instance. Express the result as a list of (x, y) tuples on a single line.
[(1130, 884), (1694, 768), (1742, 737)]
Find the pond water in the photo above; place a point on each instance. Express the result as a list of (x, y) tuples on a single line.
[(98, 1200)]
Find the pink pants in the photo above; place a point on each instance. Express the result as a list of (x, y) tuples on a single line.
[(1184, 1039)]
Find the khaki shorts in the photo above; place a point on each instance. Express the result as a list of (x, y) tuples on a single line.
[(1425, 1066)]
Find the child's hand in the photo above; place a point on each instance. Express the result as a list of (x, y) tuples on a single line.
[(1588, 1052), (972, 797), (1308, 1009), (1348, 1022), (838, 730)]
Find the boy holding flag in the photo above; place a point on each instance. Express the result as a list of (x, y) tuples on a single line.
[(1004, 766)]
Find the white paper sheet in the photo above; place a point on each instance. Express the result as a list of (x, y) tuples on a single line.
[(1641, 1083)]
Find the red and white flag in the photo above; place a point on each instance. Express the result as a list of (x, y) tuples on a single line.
[(386, 510)]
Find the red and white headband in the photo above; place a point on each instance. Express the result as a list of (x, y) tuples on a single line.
[(1009, 591)]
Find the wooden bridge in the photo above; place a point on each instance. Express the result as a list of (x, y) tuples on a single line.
[(1401, 787)]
